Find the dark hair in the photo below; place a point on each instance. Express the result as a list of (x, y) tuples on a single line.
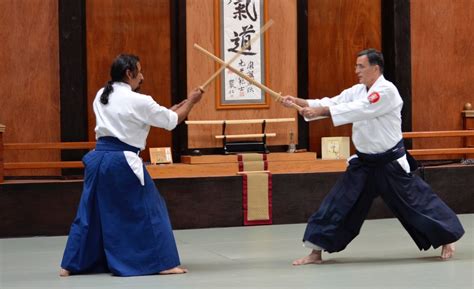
[(375, 57), (118, 70)]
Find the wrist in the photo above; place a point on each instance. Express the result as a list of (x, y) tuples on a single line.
[(303, 102), (326, 111)]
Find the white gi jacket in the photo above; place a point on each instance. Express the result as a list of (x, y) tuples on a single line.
[(375, 115), (128, 116)]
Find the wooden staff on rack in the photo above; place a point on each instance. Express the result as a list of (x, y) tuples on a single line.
[(239, 53), (275, 95)]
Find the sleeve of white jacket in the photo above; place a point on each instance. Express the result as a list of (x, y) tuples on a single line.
[(344, 96), (159, 116), (377, 103)]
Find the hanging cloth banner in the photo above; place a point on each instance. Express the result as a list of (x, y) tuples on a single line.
[(256, 189)]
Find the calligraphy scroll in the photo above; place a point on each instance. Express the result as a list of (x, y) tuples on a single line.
[(238, 21)]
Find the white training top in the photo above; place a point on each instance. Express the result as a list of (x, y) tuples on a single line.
[(375, 114), (129, 115)]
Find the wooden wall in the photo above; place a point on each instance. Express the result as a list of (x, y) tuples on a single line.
[(441, 54), (116, 26), (337, 31), (281, 73), (442, 67), (29, 89)]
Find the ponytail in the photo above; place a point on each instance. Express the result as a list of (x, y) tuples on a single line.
[(118, 71), (104, 98)]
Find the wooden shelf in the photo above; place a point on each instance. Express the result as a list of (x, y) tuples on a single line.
[(272, 157), (231, 169)]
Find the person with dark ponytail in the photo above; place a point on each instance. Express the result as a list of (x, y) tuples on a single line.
[(122, 224)]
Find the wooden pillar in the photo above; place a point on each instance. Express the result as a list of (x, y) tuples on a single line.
[(468, 123), (2, 130)]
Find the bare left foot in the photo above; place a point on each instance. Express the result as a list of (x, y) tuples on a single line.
[(175, 270), (313, 258), (64, 273), (448, 251)]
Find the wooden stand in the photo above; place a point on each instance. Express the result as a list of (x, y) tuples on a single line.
[(259, 146), (245, 146)]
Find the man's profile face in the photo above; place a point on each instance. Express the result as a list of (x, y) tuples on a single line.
[(135, 82), (366, 73)]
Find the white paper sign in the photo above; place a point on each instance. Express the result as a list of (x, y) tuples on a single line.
[(241, 21)]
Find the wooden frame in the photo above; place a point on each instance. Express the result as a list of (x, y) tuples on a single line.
[(217, 37)]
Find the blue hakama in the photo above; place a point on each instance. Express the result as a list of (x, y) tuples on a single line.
[(121, 226), (427, 219)]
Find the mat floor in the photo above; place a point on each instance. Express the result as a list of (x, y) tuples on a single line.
[(382, 256)]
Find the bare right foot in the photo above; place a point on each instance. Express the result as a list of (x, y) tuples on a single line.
[(175, 270), (447, 251), (313, 258), (64, 273)]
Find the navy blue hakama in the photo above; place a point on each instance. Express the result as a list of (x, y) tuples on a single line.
[(121, 226), (427, 219)]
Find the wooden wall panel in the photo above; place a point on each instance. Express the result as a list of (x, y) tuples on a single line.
[(281, 74), (337, 31), (143, 29), (442, 67), (29, 90)]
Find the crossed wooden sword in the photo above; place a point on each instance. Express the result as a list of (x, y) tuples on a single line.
[(275, 95)]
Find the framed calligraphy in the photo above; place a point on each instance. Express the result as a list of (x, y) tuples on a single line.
[(237, 22)]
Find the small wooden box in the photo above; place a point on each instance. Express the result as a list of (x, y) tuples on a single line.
[(161, 156), (334, 148)]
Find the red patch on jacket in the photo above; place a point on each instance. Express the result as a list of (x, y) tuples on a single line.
[(374, 97)]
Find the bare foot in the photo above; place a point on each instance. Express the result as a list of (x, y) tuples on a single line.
[(175, 270), (64, 273), (313, 258), (448, 251)]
